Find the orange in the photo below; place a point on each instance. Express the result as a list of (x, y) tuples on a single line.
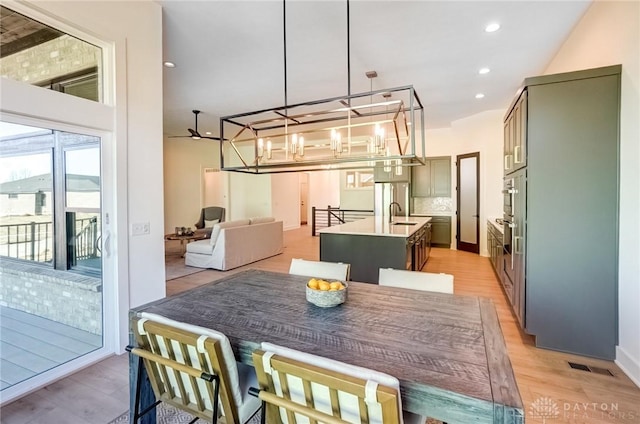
[(336, 285)]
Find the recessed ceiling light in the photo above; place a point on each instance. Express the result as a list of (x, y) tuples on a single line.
[(479, 96), (208, 133), (484, 71), (169, 64), (492, 27)]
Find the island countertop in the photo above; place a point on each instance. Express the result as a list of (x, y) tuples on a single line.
[(379, 226)]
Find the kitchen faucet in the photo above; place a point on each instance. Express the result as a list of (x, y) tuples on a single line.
[(391, 210)]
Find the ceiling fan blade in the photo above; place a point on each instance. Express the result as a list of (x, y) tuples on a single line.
[(194, 133)]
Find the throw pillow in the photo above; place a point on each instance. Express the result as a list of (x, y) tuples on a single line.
[(209, 224)]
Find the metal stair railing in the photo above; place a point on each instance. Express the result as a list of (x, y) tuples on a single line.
[(323, 218)]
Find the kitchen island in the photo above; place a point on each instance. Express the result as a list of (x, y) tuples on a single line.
[(372, 243)]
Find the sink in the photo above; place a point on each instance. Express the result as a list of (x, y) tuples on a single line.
[(404, 223)]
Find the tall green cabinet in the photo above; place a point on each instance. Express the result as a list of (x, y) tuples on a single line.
[(571, 130)]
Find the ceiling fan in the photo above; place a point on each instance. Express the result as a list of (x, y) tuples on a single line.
[(193, 132)]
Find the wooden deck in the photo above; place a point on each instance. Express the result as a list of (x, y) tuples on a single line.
[(30, 344)]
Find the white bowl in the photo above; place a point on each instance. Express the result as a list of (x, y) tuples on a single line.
[(327, 298)]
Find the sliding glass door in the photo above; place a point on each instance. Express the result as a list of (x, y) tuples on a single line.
[(51, 308)]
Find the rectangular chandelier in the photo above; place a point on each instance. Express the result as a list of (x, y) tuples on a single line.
[(374, 129)]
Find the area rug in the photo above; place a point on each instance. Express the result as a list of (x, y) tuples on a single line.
[(167, 414), (174, 262)]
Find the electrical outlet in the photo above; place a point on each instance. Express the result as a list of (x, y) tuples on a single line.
[(140, 229)]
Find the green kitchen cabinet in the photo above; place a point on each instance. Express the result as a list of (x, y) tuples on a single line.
[(441, 231), (515, 136), (562, 251), (433, 179)]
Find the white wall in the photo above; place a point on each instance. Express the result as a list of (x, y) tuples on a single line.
[(285, 199), (609, 34), (477, 133), (184, 162), (324, 189), (354, 198), (249, 196)]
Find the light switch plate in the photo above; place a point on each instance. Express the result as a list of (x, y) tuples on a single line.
[(140, 229)]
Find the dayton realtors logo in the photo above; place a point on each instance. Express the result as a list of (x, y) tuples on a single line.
[(544, 408)]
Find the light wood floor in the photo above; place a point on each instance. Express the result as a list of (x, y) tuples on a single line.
[(99, 393)]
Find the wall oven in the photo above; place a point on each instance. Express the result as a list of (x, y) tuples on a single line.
[(508, 193)]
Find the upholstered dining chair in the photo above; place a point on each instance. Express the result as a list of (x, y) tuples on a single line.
[(320, 269), (193, 369), (298, 387), (210, 215), (426, 281)]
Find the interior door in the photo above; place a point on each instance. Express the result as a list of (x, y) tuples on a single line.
[(468, 196)]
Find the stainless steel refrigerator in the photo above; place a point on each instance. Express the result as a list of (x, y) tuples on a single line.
[(385, 193)]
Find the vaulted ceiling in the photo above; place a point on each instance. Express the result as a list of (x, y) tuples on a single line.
[(229, 55)]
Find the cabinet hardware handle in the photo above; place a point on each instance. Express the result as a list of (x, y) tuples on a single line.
[(516, 153), (517, 245), (506, 161)]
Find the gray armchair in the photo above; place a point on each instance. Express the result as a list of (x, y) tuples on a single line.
[(210, 213)]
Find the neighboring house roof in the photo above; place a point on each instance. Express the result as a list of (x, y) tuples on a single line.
[(75, 182)]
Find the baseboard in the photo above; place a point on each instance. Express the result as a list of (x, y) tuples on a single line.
[(628, 365)]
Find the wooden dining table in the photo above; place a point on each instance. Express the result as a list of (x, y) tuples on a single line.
[(447, 350)]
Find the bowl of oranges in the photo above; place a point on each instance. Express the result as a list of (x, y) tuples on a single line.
[(326, 294)]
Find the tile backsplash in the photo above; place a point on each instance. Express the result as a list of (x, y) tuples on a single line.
[(432, 205)]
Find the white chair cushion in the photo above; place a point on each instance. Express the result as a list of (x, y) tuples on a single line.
[(319, 269), (228, 224), (227, 353), (200, 246), (416, 280), (209, 224), (349, 406), (261, 220)]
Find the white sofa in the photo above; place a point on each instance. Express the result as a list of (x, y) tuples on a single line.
[(236, 243)]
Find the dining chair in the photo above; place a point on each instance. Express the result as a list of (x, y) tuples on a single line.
[(320, 269), (416, 280), (193, 369), (298, 387)]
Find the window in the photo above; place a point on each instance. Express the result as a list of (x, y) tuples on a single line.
[(359, 179), (13, 195), (38, 54)]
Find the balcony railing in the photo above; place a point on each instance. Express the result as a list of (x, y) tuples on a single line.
[(34, 241), (322, 218)]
